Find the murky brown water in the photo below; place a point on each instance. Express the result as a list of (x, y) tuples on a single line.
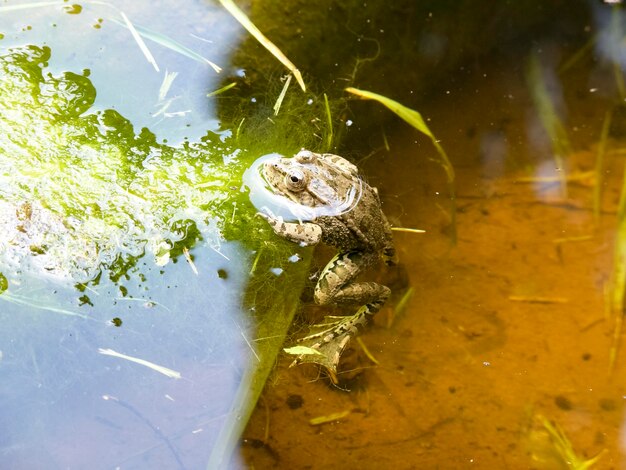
[(504, 332)]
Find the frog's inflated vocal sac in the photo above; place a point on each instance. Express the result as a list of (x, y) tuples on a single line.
[(345, 213)]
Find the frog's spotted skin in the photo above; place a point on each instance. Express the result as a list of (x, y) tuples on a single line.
[(347, 215)]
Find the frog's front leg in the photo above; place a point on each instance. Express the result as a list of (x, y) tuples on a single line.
[(335, 287), (305, 234)]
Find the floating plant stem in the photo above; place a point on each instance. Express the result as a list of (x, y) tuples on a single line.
[(407, 230), (265, 42), (416, 120), (550, 119), (142, 45), (27, 6), (221, 90), (599, 167), (161, 369)]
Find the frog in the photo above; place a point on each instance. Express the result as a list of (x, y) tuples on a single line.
[(342, 211)]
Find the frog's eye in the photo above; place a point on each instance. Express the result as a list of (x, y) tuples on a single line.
[(295, 180), (305, 156)]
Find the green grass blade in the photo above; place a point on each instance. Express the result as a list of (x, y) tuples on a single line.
[(263, 40), (413, 118), (329, 118), (221, 90), (416, 120)]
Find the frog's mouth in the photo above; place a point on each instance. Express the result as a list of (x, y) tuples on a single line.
[(264, 196)]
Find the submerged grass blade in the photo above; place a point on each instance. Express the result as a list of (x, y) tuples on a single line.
[(400, 307), (329, 121), (281, 97), (243, 19), (166, 84), (617, 38), (169, 43), (565, 449), (599, 166), (618, 278), (416, 120), (139, 41), (550, 120), (617, 284), (329, 418)]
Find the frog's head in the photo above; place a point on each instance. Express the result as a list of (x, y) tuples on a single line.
[(313, 180), (305, 186)]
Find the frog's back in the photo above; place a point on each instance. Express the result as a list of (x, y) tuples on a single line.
[(365, 227)]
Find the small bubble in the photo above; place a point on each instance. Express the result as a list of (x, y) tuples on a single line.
[(349, 122)]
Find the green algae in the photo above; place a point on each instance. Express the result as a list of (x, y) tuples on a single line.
[(85, 197), (94, 193)]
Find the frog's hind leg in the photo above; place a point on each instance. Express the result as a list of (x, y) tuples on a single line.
[(335, 287)]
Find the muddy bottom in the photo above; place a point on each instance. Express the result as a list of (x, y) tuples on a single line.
[(505, 342)]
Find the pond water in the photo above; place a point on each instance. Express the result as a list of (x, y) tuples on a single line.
[(507, 337), (135, 278)]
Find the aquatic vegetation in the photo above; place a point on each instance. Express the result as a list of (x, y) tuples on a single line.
[(550, 119), (550, 446), (85, 183)]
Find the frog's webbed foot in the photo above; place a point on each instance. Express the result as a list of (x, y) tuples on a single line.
[(328, 343), (331, 338)]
